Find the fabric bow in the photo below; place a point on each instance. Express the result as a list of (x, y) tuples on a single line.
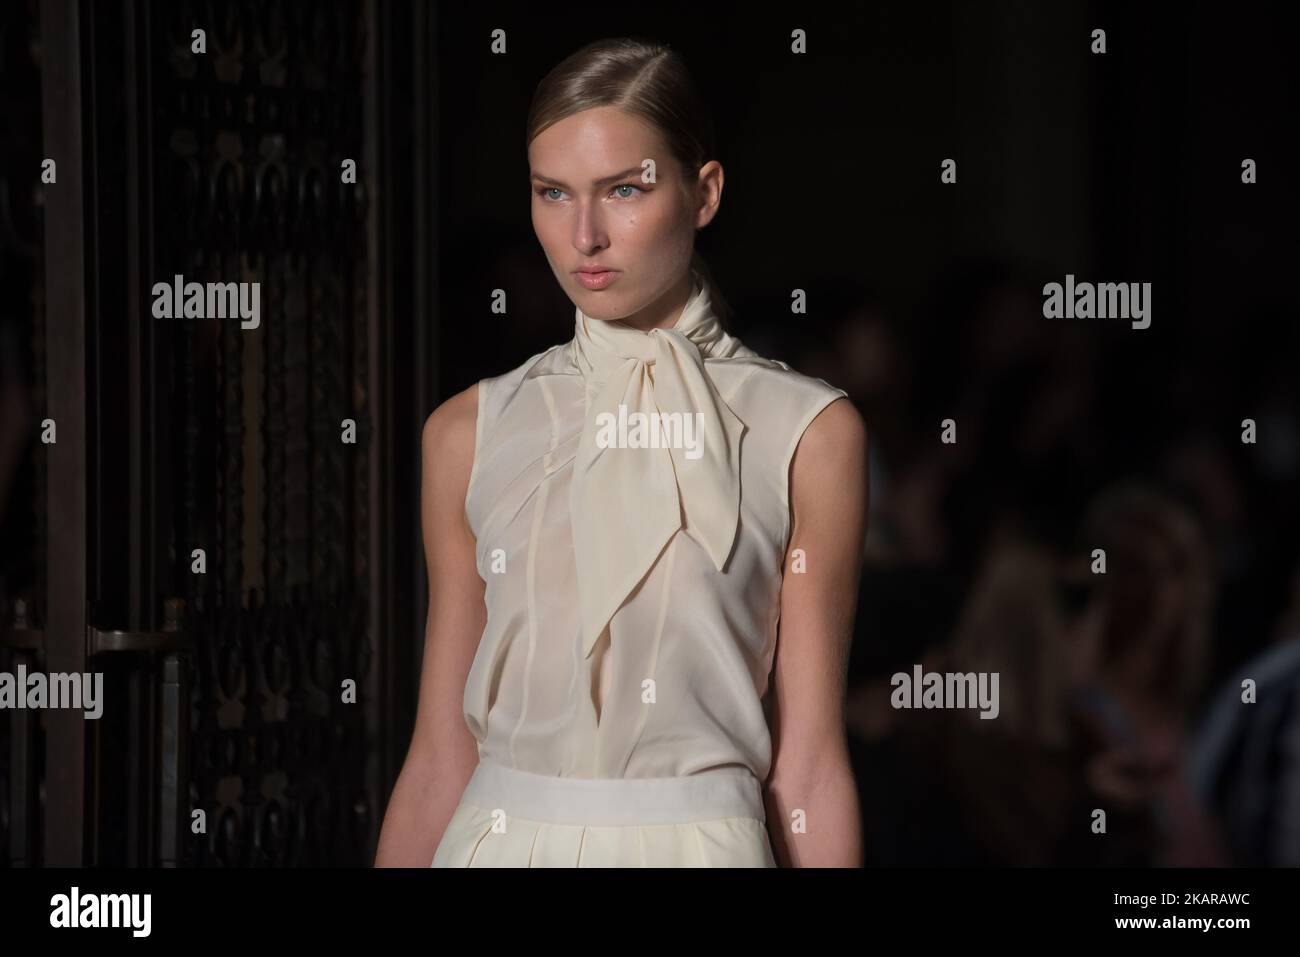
[(628, 498)]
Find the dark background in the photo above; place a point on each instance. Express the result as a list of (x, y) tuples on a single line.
[(925, 303)]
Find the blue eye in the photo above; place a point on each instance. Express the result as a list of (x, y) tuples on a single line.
[(545, 190)]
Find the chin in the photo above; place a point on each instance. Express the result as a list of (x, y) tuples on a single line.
[(598, 304)]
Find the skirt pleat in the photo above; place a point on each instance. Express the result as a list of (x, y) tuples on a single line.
[(512, 818), (471, 841)]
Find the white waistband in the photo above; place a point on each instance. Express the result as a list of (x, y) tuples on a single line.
[(722, 792)]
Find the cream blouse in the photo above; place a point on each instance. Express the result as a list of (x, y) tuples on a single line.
[(633, 561)]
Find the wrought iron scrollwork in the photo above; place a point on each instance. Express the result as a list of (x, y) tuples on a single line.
[(250, 141)]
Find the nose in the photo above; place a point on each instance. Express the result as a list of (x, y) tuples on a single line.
[(589, 230)]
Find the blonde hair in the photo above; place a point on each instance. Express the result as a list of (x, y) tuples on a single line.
[(1161, 586), (1010, 625), (648, 80)]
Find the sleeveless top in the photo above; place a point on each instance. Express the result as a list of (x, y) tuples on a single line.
[(633, 573)]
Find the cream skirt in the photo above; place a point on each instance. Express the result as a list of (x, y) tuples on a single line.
[(509, 818)]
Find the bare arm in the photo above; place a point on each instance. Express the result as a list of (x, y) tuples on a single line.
[(810, 762), (443, 753)]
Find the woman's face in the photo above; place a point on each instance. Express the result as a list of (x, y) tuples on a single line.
[(592, 207)]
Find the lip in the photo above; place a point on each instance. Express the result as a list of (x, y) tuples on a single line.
[(595, 278)]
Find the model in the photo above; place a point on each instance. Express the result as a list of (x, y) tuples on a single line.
[(643, 544)]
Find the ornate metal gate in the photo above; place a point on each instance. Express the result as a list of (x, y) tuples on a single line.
[(221, 499)]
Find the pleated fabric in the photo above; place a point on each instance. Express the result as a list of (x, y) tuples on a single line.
[(725, 842), (509, 818)]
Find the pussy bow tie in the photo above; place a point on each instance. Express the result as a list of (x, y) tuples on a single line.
[(626, 503)]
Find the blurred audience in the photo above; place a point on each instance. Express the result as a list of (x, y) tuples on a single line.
[(979, 559)]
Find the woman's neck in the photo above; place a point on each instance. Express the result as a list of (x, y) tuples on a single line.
[(664, 312)]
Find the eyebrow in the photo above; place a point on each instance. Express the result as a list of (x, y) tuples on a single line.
[(538, 177)]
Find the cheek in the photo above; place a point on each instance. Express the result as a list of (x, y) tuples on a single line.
[(648, 226), (633, 222)]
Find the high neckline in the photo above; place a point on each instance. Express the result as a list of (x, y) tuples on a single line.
[(698, 289), (697, 322), (600, 345), (627, 502)]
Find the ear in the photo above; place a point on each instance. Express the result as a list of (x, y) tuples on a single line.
[(708, 184)]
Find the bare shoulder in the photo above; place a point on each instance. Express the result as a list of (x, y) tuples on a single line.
[(450, 428), (448, 448), (829, 477), (837, 434)]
